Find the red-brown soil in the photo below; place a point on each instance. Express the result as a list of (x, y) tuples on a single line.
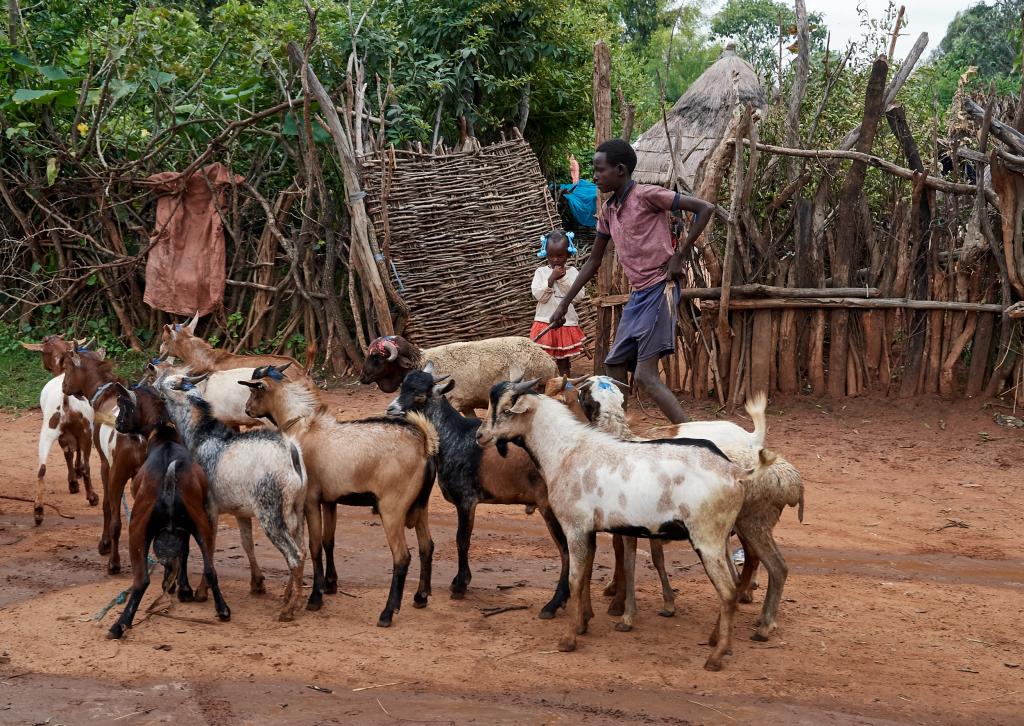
[(903, 604)]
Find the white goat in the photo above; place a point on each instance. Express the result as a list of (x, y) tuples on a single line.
[(221, 390), (68, 420), (765, 496), (599, 483)]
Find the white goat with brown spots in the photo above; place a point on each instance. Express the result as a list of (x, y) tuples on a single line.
[(777, 486), (672, 489)]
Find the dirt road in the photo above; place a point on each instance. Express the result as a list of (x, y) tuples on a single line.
[(903, 604)]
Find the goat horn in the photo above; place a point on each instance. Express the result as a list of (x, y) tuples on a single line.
[(193, 323), (281, 369), (195, 379), (251, 384), (442, 377), (392, 350), (578, 380), (34, 347), (525, 386)]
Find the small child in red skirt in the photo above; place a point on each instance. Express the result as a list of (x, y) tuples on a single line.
[(551, 282)]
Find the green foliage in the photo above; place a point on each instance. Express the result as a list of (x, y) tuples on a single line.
[(758, 26), (987, 37)]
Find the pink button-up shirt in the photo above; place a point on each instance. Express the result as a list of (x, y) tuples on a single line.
[(639, 227)]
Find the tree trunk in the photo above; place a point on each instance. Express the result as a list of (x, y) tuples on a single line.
[(796, 96), (602, 88)]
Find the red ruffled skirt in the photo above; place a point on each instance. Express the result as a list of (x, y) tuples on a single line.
[(563, 342)]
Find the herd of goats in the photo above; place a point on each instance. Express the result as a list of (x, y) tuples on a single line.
[(206, 432)]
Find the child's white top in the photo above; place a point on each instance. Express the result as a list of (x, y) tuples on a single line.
[(548, 298)]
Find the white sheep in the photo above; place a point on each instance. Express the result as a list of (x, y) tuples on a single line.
[(475, 366), (221, 390)]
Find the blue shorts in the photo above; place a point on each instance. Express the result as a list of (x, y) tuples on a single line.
[(647, 328)]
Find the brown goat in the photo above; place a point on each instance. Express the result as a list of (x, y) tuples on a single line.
[(170, 492), (181, 342), (383, 461), (121, 455)]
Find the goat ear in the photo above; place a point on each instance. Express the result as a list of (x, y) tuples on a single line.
[(442, 388), (405, 362), (192, 325), (255, 385), (515, 373), (521, 406), (34, 347), (428, 368), (75, 359)]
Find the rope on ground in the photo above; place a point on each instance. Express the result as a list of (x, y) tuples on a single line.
[(33, 501)]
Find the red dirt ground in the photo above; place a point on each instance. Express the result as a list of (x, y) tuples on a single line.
[(903, 604)]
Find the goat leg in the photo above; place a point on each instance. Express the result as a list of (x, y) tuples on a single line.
[(612, 587), (463, 536), (425, 544), (185, 593), (138, 548), (69, 461), (394, 528), (668, 595), (629, 579), (256, 579), (618, 584), (314, 527), (330, 514), (561, 595)]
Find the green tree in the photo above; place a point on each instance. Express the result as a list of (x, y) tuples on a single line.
[(987, 37), (756, 26)]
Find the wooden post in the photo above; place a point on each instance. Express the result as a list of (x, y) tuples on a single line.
[(602, 133), (846, 227)]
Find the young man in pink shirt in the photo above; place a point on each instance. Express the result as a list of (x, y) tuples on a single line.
[(635, 217)]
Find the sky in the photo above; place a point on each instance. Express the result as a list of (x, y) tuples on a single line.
[(923, 16)]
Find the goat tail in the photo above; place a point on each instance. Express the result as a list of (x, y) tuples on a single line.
[(103, 418), (169, 488), (756, 406), (427, 430)]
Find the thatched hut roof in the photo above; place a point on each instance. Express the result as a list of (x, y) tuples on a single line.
[(697, 119)]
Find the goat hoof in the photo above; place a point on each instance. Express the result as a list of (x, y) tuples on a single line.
[(286, 616), (314, 605), (746, 597), (712, 665), (419, 600), (580, 629), (93, 500), (257, 588), (616, 609), (567, 645), (666, 613), (104, 547), (73, 487), (384, 621), (546, 614), (623, 627), (225, 615), (186, 596), (458, 595), (38, 512), (610, 589), (113, 568), (331, 588), (200, 596), (115, 632)]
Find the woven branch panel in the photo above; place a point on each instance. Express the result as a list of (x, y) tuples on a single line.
[(462, 231)]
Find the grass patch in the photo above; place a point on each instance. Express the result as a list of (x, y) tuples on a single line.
[(22, 375)]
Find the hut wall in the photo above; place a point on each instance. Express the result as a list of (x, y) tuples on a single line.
[(462, 232)]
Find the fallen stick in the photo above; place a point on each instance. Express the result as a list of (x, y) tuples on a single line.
[(998, 695), (183, 618), (488, 612), (33, 501), (379, 685), (704, 705)]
